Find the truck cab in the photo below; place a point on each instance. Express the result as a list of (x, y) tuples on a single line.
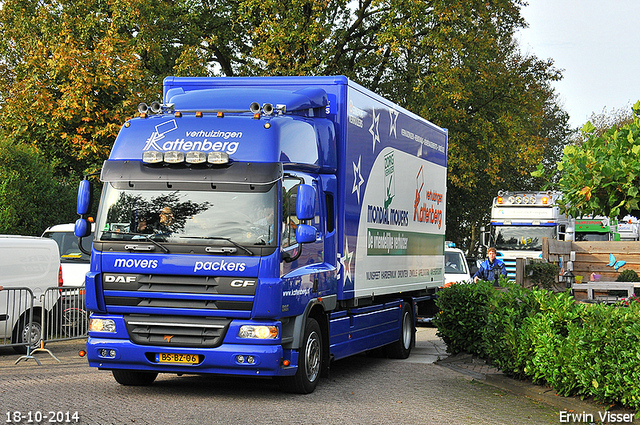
[(519, 222)]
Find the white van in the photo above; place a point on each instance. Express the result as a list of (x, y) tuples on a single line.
[(456, 269), (75, 263), (26, 262)]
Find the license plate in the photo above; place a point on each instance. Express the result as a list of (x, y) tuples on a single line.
[(177, 358)]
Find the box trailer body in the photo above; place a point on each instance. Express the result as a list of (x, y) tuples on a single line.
[(263, 227)]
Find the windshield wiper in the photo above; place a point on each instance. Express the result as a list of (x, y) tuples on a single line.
[(221, 238)]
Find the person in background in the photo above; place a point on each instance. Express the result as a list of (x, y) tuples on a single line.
[(491, 268)]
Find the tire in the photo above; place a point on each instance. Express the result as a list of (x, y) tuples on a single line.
[(74, 322), (401, 349), (134, 377), (309, 362), (24, 332)]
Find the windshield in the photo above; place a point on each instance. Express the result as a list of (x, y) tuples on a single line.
[(188, 213), (591, 237), (454, 263), (521, 238), (68, 246)]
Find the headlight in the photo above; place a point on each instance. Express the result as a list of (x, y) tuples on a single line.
[(102, 325), (258, 332)]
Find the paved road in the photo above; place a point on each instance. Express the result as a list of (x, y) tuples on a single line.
[(361, 390)]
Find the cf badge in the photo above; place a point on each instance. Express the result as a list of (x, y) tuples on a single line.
[(239, 283)]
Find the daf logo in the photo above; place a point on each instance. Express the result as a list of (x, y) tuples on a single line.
[(239, 283), (119, 279)]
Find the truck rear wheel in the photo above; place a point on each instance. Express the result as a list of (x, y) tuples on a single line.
[(134, 377), (402, 347), (309, 362)]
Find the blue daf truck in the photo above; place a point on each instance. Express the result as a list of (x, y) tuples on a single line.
[(264, 227)]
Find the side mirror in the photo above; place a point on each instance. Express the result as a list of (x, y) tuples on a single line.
[(305, 203), (305, 233), (84, 197), (485, 238), (82, 228)]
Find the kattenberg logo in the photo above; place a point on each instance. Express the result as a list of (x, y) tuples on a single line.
[(157, 140)]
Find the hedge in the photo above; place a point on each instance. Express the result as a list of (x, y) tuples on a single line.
[(589, 350)]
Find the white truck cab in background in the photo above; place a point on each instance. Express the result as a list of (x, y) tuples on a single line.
[(25, 262), (75, 263)]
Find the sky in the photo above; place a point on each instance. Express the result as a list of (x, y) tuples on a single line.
[(596, 43)]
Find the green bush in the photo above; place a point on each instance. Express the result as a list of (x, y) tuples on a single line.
[(503, 341), (31, 199), (590, 350), (628, 275), (462, 316), (542, 273)]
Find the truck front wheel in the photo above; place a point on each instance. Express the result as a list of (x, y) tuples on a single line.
[(309, 362), (134, 377)]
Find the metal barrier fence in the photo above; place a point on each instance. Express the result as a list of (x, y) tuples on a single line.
[(16, 317), (28, 322), (68, 319)]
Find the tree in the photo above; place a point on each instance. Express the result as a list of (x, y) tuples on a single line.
[(30, 198), (70, 78), (601, 175)]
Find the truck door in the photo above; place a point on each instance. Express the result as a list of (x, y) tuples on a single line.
[(309, 275)]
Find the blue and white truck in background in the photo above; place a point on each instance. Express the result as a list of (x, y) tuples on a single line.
[(263, 227), (519, 221)]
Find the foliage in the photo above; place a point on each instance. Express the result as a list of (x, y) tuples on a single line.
[(550, 348), (71, 76), (607, 119), (590, 350), (502, 340), (628, 275), (542, 273), (462, 316), (600, 176), (30, 198)]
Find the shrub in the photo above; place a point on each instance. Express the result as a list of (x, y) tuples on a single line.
[(503, 340), (550, 332), (628, 275), (462, 316), (542, 273), (31, 199), (591, 350)]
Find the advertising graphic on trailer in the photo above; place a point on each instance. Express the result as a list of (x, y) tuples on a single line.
[(399, 239)]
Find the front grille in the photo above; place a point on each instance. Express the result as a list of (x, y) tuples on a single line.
[(202, 293), (172, 331), (510, 265)]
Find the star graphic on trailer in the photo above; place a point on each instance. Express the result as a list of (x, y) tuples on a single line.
[(357, 178), (345, 261), (393, 115), (374, 129)]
